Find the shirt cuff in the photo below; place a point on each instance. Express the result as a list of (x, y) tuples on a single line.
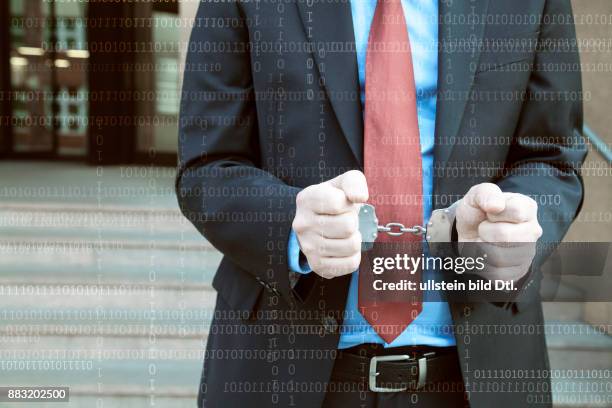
[(297, 260)]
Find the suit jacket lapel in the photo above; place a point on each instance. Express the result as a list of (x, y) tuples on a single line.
[(326, 23), (457, 65), (329, 27)]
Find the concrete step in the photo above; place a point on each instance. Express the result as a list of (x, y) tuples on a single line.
[(578, 346), (103, 349), (106, 261), (594, 391), (576, 336), (98, 310), (90, 222), (68, 183), (563, 311), (142, 328), (121, 377), (117, 370), (121, 367), (580, 359), (85, 242), (60, 297)]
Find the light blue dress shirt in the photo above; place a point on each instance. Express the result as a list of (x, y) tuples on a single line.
[(433, 326)]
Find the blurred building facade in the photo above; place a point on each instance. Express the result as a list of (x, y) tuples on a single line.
[(92, 81)]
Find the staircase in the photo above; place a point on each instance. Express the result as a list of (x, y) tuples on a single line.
[(108, 291), (108, 280), (580, 358)]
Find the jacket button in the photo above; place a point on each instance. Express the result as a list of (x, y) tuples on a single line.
[(330, 324)]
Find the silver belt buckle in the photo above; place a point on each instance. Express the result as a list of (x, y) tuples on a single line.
[(422, 367)]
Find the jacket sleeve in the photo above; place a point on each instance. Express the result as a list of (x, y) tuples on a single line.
[(241, 209), (548, 149)]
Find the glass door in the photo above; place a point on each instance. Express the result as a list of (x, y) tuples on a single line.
[(48, 69), (31, 76), (71, 61)]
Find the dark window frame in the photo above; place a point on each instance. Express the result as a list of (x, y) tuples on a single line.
[(6, 108)]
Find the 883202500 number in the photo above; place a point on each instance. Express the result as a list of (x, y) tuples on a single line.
[(34, 394)]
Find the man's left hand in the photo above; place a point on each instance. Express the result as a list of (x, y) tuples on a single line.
[(505, 223)]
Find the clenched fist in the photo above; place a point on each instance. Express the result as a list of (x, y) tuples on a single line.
[(326, 224), (504, 224)]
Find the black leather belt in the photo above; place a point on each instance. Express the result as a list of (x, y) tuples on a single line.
[(397, 372)]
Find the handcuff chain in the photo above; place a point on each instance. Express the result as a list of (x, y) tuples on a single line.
[(400, 229)]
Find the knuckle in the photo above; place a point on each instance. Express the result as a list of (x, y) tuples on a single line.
[(354, 175), (538, 231), (335, 205), (301, 198), (522, 214), (461, 208), (490, 187), (299, 224), (333, 201), (484, 190), (473, 189), (533, 204), (477, 187), (324, 188), (527, 204)]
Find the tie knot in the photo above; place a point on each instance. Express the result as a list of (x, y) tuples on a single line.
[(389, 13), (386, 3)]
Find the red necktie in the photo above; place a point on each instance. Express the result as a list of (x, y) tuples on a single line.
[(392, 164)]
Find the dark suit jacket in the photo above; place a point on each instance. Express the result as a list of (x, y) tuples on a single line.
[(271, 105)]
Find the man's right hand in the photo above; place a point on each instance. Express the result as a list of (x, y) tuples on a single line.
[(327, 226)]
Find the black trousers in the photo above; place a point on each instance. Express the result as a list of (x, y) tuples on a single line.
[(446, 394)]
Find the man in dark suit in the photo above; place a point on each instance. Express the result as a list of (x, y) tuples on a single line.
[(294, 114)]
